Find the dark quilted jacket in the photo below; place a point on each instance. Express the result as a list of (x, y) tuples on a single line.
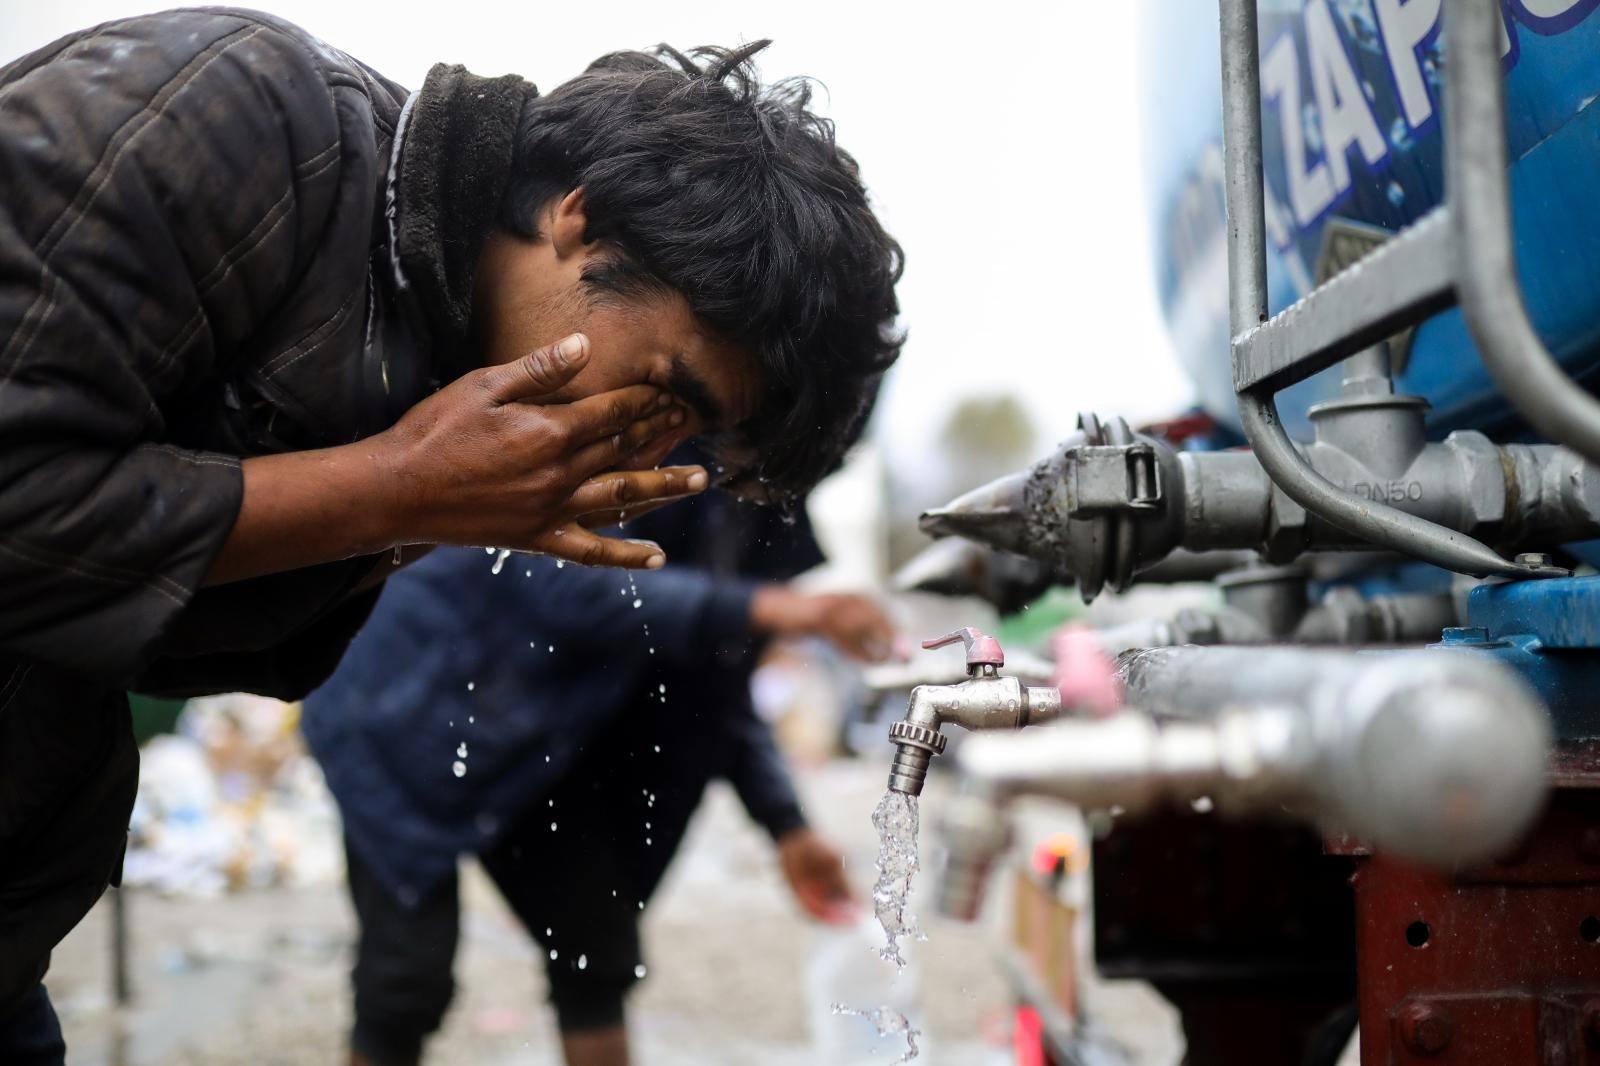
[(196, 264)]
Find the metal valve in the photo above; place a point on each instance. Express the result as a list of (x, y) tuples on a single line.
[(982, 649)]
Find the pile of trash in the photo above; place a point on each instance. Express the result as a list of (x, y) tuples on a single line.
[(232, 800)]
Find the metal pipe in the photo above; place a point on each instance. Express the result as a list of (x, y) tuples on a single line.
[(1491, 295), (1241, 162), (1372, 522), (1434, 756)]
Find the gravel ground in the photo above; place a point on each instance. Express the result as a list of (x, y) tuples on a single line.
[(735, 976)]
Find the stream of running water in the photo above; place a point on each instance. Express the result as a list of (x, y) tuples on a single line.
[(896, 821)]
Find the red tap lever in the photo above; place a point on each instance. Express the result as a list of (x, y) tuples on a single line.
[(982, 649)]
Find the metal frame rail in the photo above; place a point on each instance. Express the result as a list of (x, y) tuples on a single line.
[(1460, 251)]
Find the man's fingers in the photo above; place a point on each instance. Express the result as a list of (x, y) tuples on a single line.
[(653, 453), (542, 372), (606, 414), (627, 490), (602, 519), (576, 544), (610, 452)]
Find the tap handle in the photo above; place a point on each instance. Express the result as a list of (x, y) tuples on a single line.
[(982, 649)]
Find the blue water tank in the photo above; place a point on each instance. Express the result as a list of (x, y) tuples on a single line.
[(1351, 98)]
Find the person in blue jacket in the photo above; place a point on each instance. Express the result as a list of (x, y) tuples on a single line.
[(561, 723)]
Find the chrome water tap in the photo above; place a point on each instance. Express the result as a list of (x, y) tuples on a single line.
[(986, 700)]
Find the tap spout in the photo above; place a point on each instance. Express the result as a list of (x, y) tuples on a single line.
[(985, 702)]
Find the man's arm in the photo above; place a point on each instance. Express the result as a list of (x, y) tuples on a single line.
[(482, 462)]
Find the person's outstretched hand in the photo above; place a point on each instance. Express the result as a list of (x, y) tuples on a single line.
[(815, 872), (856, 625)]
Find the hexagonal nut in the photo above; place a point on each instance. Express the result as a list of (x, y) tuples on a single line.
[(1425, 1029), (1482, 469)]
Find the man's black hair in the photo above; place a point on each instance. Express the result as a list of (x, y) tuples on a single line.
[(706, 183)]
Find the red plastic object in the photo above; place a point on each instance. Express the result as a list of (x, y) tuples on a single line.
[(1027, 1037)]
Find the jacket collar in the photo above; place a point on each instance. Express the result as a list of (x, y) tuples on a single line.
[(452, 158)]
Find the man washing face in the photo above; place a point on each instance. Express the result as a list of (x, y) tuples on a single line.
[(268, 319)]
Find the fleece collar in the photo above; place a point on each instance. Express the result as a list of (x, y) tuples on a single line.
[(454, 151)]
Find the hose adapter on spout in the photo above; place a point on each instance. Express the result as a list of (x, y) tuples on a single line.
[(985, 700)]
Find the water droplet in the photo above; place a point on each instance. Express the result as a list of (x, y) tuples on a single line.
[(552, 827), (551, 649), (637, 604), (639, 971), (547, 758), (471, 685), (458, 768), (583, 962), (548, 931), (554, 954), (552, 803), (662, 688), (500, 561), (471, 718), (647, 825), (560, 562), (648, 842), (658, 749), (461, 750)]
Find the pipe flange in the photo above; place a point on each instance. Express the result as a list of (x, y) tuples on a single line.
[(919, 736)]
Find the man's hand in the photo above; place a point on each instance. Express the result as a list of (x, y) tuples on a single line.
[(856, 625), (815, 872), (481, 462)]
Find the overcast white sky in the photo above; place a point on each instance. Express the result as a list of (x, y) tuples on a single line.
[(1000, 141)]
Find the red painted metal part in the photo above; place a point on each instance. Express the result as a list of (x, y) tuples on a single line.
[(1495, 966)]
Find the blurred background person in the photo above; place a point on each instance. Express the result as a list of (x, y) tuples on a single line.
[(562, 724)]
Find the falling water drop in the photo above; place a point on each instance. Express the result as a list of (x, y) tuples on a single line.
[(583, 962), (461, 750), (888, 1022), (458, 768), (500, 561), (639, 971)]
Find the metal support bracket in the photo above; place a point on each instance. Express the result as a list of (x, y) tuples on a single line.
[(1404, 282)]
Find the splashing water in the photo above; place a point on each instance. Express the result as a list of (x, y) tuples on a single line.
[(499, 560), (896, 822), (888, 1022)]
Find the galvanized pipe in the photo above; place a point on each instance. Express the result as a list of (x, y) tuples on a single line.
[(1434, 756), (1491, 295)]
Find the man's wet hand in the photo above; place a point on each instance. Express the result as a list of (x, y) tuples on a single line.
[(491, 460), (815, 872)]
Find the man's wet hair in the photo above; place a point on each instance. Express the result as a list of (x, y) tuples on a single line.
[(704, 182)]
